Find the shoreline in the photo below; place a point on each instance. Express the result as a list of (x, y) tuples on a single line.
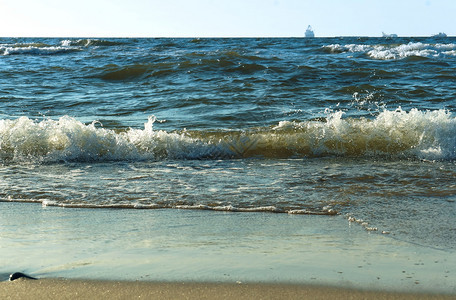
[(166, 246), (102, 289)]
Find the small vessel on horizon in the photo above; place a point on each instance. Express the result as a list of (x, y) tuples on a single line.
[(440, 35), (391, 35), (309, 32)]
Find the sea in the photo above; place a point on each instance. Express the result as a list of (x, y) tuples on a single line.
[(358, 128)]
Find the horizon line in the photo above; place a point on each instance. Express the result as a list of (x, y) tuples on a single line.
[(217, 37)]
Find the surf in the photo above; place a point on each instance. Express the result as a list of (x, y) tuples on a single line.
[(395, 134)]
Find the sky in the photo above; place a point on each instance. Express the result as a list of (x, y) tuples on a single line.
[(224, 18)]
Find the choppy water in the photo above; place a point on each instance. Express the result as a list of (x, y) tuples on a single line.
[(359, 127)]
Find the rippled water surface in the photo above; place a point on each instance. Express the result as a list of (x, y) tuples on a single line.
[(358, 127)]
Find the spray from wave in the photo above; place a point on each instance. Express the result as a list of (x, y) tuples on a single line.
[(429, 135)]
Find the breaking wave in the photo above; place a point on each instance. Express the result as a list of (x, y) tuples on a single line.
[(62, 47), (394, 51), (418, 134)]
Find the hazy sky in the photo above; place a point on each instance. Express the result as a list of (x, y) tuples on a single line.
[(225, 18)]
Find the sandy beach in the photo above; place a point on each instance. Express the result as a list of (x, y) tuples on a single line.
[(129, 253), (81, 289), (228, 167)]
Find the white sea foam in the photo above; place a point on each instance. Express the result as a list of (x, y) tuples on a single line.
[(69, 139), (65, 43), (79, 42), (420, 134), (393, 52), (449, 53), (35, 50)]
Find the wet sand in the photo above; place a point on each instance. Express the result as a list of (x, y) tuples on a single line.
[(132, 248), (84, 289)]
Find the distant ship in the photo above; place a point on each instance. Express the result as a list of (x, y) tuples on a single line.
[(391, 35), (440, 35), (309, 32)]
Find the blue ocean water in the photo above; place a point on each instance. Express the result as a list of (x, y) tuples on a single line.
[(357, 127)]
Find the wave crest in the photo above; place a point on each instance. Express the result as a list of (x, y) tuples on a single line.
[(395, 52), (400, 134), (35, 49)]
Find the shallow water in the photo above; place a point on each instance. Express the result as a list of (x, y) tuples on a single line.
[(363, 128), (207, 246)]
